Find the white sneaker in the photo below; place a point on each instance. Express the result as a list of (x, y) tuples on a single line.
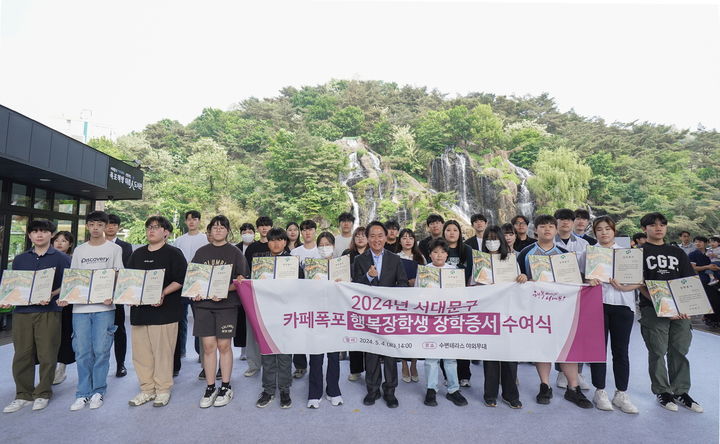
[(96, 401), (464, 383), (141, 398), (352, 377), (59, 374), (313, 403), (622, 401), (581, 382), (40, 403), (16, 405), (601, 400), (250, 372), (161, 399), (334, 400), (209, 398), (79, 404), (561, 380), (224, 397)]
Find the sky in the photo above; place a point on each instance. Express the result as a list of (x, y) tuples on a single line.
[(123, 65)]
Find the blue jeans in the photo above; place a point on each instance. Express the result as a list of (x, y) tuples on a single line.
[(92, 339), (432, 370)]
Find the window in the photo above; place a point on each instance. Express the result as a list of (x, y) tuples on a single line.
[(64, 203), (17, 243), (19, 195), (64, 225), (84, 208), (41, 201)]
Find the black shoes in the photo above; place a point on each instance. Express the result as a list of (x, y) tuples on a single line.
[(370, 398), (457, 398), (391, 400), (285, 401), (265, 399), (545, 394), (121, 371), (490, 402), (430, 398), (515, 403), (576, 397)]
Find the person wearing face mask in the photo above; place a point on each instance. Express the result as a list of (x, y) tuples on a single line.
[(326, 246), (496, 372), (247, 233)]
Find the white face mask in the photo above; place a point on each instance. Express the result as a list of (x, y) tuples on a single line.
[(326, 251), (248, 238), (492, 245)]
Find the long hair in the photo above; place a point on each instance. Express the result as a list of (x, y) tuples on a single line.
[(297, 242), (461, 241), (416, 254), (353, 247), (499, 235)]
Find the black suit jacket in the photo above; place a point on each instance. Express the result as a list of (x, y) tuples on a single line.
[(392, 273), (474, 243), (126, 251)]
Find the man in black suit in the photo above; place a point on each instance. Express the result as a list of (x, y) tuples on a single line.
[(479, 223), (120, 343), (381, 268)]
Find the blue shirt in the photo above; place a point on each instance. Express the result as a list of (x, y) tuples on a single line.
[(31, 261), (378, 264)]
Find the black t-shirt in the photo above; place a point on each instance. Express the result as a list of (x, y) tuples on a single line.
[(590, 240), (173, 261), (699, 258), (394, 248), (223, 255), (455, 259), (664, 263), (255, 249), (520, 244)]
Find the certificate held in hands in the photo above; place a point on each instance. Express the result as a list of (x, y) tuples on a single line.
[(139, 287), (491, 269), (431, 277), (24, 287), (207, 281), (336, 270), (87, 286), (625, 265), (679, 296), (561, 268), (275, 267)]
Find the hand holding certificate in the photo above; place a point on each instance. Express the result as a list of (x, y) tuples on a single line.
[(139, 287), (87, 286), (491, 269), (207, 281), (336, 270), (679, 296), (431, 277), (561, 268), (275, 267), (21, 287), (625, 265)]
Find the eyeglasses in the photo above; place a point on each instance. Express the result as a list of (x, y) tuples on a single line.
[(218, 228), (153, 228)]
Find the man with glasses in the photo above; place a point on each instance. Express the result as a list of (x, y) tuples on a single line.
[(520, 223)]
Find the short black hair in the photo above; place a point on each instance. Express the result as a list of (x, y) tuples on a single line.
[(160, 220), (520, 216), (715, 238), (193, 213), (434, 218), (346, 217), (582, 214), (508, 228), (478, 216), (701, 238), (638, 236), (247, 226), (113, 219), (375, 223), (277, 234), (651, 218), (565, 213), (683, 232), (40, 225), (308, 224), (97, 216), (263, 221), (392, 225), (439, 243), (221, 220), (326, 235), (544, 219)]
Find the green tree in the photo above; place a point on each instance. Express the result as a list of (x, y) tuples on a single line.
[(349, 120), (560, 181)]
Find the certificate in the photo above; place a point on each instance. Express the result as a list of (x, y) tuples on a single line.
[(336, 270), (220, 279), (102, 284), (628, 267), (286, 267), (482, 272), (25, 287), (340, 269), (504, 270), (428, 277), (452, 278), (317, 269), (139, 287), (541, 268), (599, 263), (207, 281), (263, 268), (690, 297), (87, 286), (565, 268)]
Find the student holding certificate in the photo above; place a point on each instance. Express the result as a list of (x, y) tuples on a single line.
[(411, 258), (497, 372), (546, 229), (36, 328), (216, 318), (94, 324), (64, 241), (666, 338), (154, 328), (619, 311), (358, 245)]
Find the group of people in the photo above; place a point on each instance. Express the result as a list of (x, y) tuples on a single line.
[(54, 334)]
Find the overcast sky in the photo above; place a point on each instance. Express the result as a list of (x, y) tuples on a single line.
[(132, 63)]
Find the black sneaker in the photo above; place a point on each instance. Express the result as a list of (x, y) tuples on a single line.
[(545, 394), (370, 398), (515, 403), (121, 371), (576, 397), (666, 400), (285, 401), (265, 399), (457, 398), (430, 398), (201, 376), (490, 402), (686, 401)]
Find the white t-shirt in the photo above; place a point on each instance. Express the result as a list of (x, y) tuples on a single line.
[(91, 257), (577, 245), (303, 253), (611, 296), (341, 244), (189, 244)]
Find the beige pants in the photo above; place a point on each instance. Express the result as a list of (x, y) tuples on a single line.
[(153, 349)]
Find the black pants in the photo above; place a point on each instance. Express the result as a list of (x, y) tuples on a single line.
[(373, 373), (178, 352), (300, 362), (501, 373), (463, 369), (357, 362), (618, 322), (120, 342), (332, 376), (66, 355), (240, 339)]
